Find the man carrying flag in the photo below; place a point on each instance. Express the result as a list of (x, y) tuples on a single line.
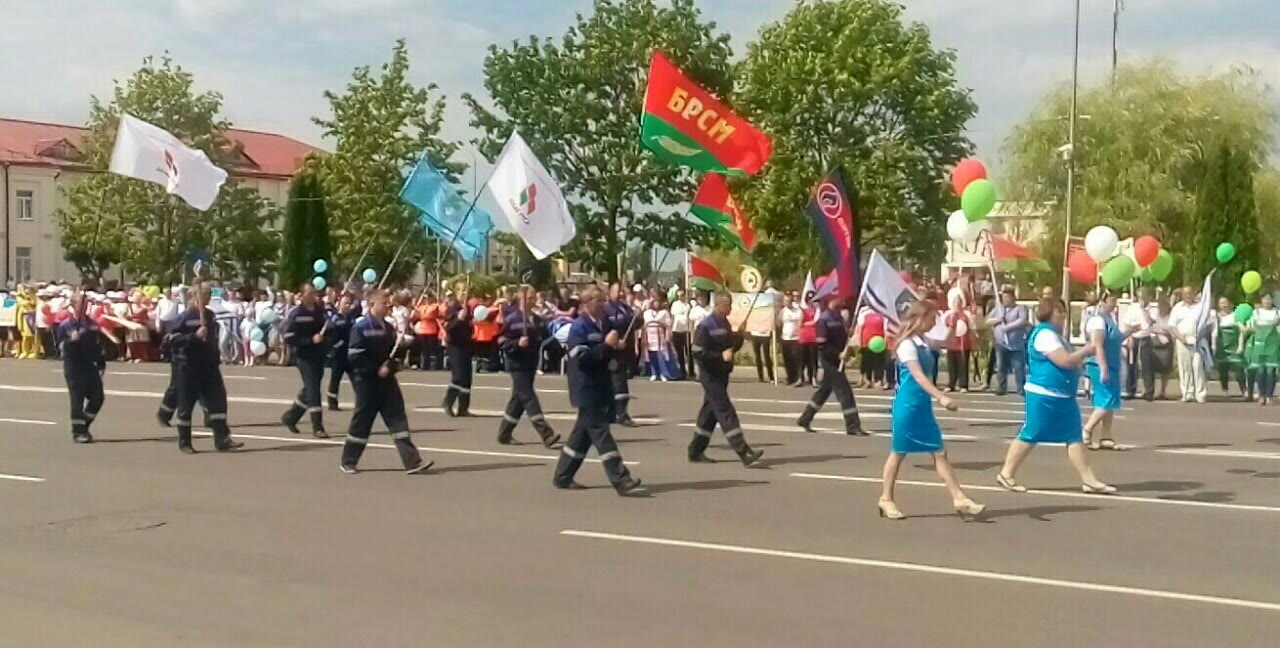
[(832, 337), (714, 345)]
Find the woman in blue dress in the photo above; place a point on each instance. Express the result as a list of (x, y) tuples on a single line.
[(915, 429), (1104, 335), (1053, 415)]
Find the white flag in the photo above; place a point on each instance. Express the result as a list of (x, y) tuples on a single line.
[(530, 200), (884, 290), (807, 295), (153, 154)]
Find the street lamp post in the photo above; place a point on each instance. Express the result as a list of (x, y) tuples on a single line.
[(1071, 160)]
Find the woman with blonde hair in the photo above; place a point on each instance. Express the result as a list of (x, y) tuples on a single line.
[(915, 428)]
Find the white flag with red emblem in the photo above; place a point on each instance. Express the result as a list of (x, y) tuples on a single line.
[(530, 201), (150, 153)]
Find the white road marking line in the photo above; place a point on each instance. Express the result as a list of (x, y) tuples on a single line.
[(1080, 495), (840, 432), (225, 377), (864, 406), (153, 374), (836, 416), (1269, 423), (22, 478), (541, 390), (554, 417), (1232, 454), (935, 570), (27, 421)]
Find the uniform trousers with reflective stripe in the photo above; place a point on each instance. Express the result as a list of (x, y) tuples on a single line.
[(337, 367), (202, 384), (591, 429), (311, 368), (620, 376), (84, 385), (833, 380), (524, 400), (459, 379), (379, 397), (169, 402), (717, 408)]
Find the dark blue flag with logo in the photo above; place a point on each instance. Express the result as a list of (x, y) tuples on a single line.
[(833, 210)]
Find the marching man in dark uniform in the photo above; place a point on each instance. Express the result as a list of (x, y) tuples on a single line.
[(82, 366), (590, 390), (714, 344), (196, 372), (340, 321), (168, 322), (832, 336), (373, 371), (521, 341), (458, 333), (621, 317), (304, 330)]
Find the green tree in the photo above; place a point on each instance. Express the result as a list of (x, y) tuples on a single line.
[(1267, 190), (577, 102), (382, 124), (846, 83), (111, 219), (1140, 150), (1225, 211), (306, 232)]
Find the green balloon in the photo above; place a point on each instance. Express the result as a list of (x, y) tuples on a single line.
[(1118, 271), (877, 344), (1225, 253), (1244, 313), (1251, 281), (1160, 268), (978, 200), (671, 292)]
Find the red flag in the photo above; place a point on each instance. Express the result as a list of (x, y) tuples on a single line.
[(715, 206)]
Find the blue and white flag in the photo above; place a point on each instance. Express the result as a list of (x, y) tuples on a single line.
[(884, 290), (443, 211)]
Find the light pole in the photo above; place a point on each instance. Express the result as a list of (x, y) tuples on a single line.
[(1070, 155)]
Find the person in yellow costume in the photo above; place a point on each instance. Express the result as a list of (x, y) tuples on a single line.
[(25, 316)]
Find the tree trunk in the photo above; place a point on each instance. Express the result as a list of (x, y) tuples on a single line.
[(611, 245)]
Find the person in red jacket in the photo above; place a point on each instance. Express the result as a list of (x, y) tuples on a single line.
[(808, 347), (960, 341), (870, 325)]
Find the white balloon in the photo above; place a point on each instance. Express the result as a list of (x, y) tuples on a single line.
[(258, 347), (1101, 242), (962, 329), (958, 227)]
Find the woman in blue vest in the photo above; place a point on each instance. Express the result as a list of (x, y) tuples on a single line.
[(1104, 335), (915, 429), (1053, 415)]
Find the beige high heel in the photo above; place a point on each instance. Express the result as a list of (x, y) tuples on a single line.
[(969, 508), (889, 510)]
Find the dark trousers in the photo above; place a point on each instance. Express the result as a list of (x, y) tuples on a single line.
[(1264, 381), (430, 354), (620, 376), (84, 386), (1010, 360), (933, 375), (378, 397), (169, 402), (311, 368), (791, 360), (47, 345), (550, 355), (809, 363), (591, 429), (680, 341), (486, 355), (203, 384), (338, 366), (957, 369), (460, 369), (524, 400), (1140, 362), (717, 409), (762, 349), (1224, 377), (872, 364), (833, 380)]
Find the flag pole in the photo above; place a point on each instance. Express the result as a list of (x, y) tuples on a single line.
[(391, 265)]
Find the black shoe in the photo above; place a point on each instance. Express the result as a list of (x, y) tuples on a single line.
[(290, 426), (631, 486), (420, 468), (186, 449), (319, 433), (751, 458), (464, 414), (507, 439), (163, 419), (627, 421), (701, 458), (84, 437), (550, 441), (857, 432), (448, 408), (807, 426), (228, 445), (350, 470), (333, 406), (573, 485)]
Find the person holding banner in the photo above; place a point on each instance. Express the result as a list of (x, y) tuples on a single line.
[(197, 375), (458, 336), (621, 317), (915, 428), (832, 336), (341, 319), (82, 365), (714, 345), (304, 330), (521, 343)]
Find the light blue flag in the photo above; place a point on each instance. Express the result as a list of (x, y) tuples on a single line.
[(443, 210)]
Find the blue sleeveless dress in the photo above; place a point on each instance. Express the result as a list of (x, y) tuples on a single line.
[(915, 428), (1053, 415), (1106, 395)]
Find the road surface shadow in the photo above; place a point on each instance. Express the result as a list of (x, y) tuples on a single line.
[(1214, 497), (1038, 513), (977, 466), (1274, 441), (625, 441), (287, 447), (1160, 486), (474, 468), (1002, 424), (710, 485), (168, 439), (1248, 472), (1193, 446), (807, 459)]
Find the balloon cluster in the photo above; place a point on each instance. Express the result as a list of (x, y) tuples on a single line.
[(1102, 251), (977, 199), (320, 266)]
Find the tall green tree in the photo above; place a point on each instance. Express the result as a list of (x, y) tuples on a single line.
[(112, 219), (381, 124), (1267, 193), (849, 84), (1141, 149), (577, 100), (306, 232), (1225, 211)]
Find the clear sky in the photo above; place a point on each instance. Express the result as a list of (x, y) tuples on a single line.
[(273, 58)]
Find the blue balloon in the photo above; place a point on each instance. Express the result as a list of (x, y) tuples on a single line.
[(319, 283), (256, 334), (268, 317), (320, 266), (370, 275)]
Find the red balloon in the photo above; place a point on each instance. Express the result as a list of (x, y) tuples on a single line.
[(967, 171), (1145, 250), (1082, 267)]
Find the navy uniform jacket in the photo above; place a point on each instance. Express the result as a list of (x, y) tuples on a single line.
[(301, 326), (832, 335), (711, 339), (187, 347), (78, 355), (339, 332), (369, 347), (515, 326), (460, 331), (619, 317), (588, 367)]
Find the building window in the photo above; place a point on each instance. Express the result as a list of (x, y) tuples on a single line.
[(26, 204), (22, 264)]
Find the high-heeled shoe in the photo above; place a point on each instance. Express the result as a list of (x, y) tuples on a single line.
[(1009, 484), (969, 508), (890, 510), (1100, 489)]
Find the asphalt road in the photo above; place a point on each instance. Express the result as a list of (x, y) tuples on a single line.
[(128, 543)]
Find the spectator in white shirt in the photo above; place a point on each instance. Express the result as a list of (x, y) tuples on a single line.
[(1138, 320), (680, 330), (790, 318), (1191, 371), (697, 312)]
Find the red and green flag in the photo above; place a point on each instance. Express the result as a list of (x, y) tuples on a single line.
[(703, 275), (685, 125), (715, 206)]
